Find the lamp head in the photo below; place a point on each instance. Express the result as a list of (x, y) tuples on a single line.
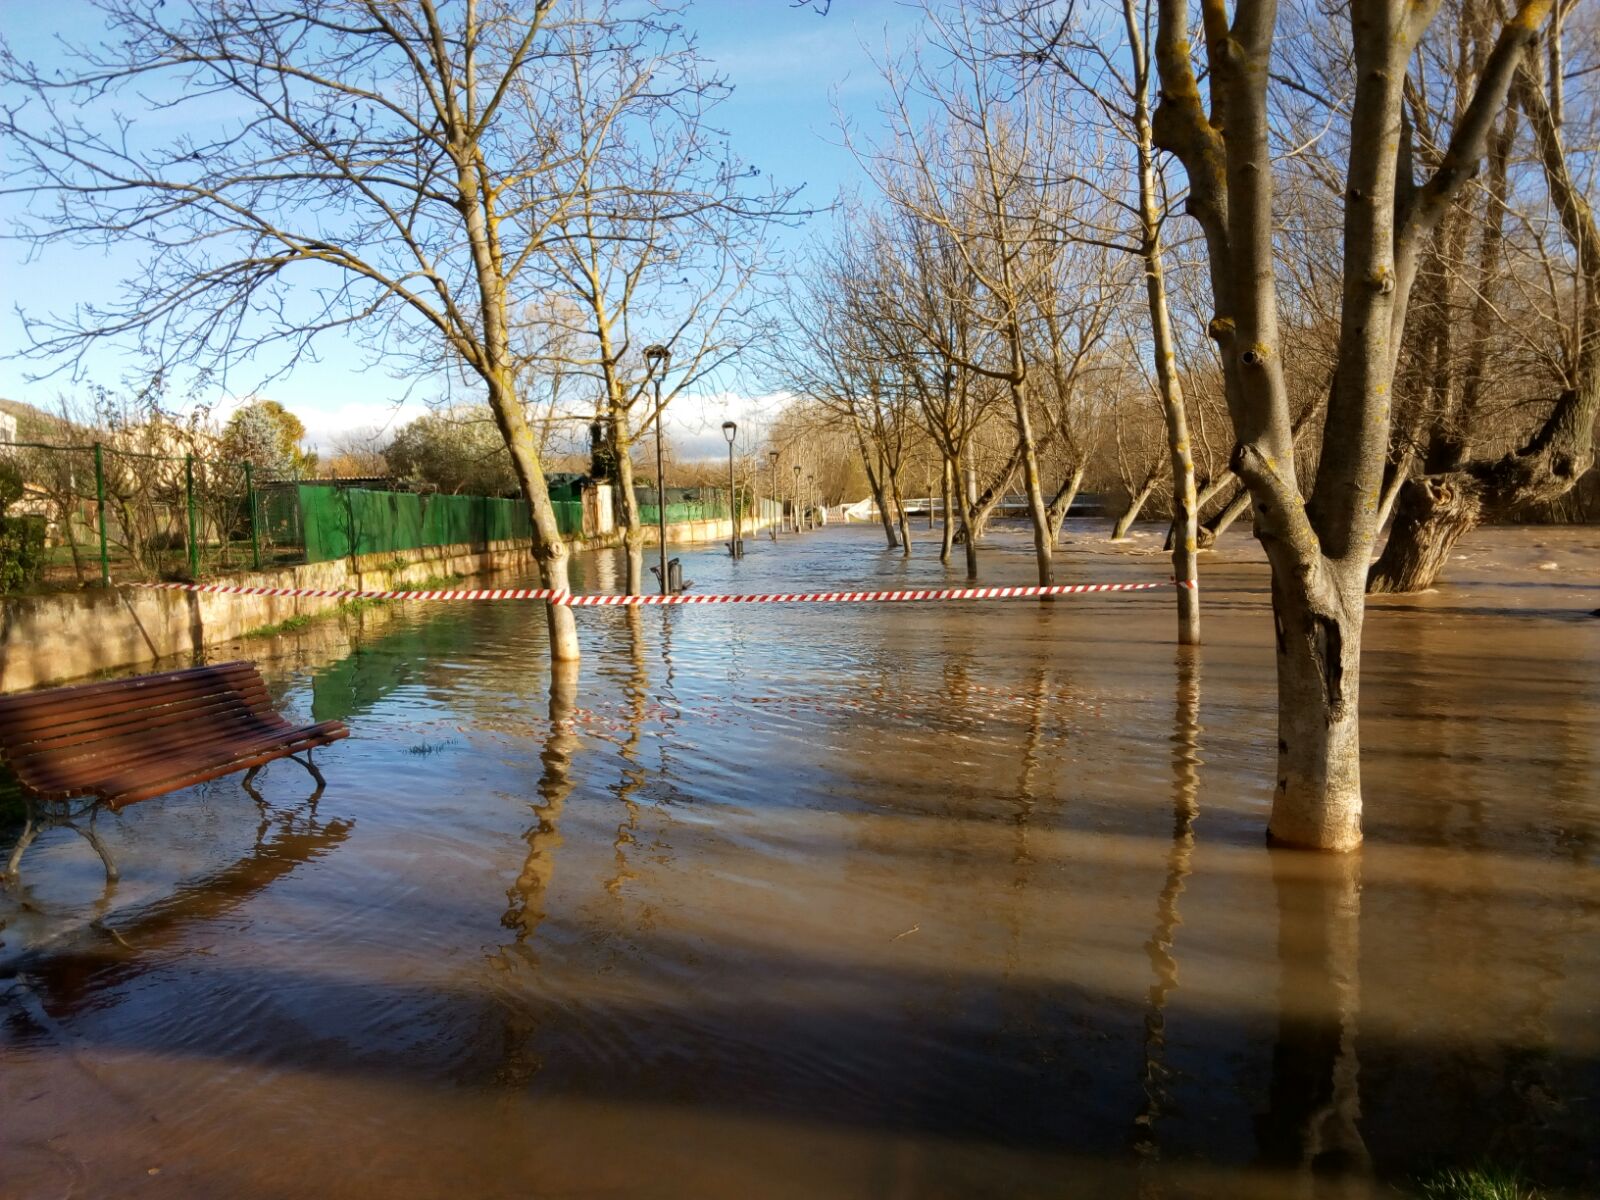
[(729, 429)]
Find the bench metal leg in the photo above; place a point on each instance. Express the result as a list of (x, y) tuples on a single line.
[(36, 823), (312, 767), (93, 838), (30, 830)]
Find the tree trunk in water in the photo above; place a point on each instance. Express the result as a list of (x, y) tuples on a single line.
[(1042, 541), (969, 539), (628, 510), (1317, 801), (1430, 517), (901, 520), (1062, 504), (947, 498), (549, 548), (875, 481), (1119, 531), (1224, 517)]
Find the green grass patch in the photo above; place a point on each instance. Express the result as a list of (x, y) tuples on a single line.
[(298, 621), (1479, 1183)]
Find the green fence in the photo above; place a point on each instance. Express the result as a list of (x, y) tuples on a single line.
[(336, 522)]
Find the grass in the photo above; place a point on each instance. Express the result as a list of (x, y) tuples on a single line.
[(298, 621), (1479, 1183), (424, 749)]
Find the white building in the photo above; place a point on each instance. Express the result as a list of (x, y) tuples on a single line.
[(8, 427)]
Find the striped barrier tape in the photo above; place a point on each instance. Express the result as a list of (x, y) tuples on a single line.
[(608, 600)]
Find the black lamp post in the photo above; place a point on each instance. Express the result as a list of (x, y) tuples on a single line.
[(659, 356), (777, 498), (797, 497), (811, 501), (730, 430)]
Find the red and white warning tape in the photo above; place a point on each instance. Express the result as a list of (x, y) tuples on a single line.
[(606, 600)]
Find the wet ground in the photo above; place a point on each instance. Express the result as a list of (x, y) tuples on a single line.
[(935, 900)]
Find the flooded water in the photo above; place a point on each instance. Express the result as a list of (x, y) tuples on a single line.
[(936, 900)]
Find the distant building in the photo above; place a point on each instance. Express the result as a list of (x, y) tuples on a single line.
[(8, 427)]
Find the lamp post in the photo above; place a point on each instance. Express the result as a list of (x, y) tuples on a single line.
[(777, 499), (811, 501), (730, 430), (796, 497), (659, 356)]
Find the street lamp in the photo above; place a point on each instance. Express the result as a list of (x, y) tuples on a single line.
[(811, 501), (797, 497), (660, 356), (730, 430), (777, 499)]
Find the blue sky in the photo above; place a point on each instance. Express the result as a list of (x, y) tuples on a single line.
[(789, 66)]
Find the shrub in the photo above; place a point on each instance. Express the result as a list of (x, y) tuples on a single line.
[(21, 537)]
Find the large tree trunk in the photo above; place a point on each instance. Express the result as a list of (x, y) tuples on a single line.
[(1431, 516), (1317, 801)]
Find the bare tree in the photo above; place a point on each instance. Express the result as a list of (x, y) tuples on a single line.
[(663, 231), (383, 168), (1319, 546)]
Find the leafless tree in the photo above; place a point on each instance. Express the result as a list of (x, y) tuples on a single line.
[(1319, 544), (384, 169)]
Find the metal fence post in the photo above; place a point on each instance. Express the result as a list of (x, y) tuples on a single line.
[(194, 535), (255, 533), (100, 512)]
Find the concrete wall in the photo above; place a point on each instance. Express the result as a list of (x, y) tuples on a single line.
[(52, 638)]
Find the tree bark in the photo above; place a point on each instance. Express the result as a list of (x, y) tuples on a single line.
[(1224, 517), (875, 481), (1042, 548), (628, 509), (947, 498), (1061, 505), (1119, 529)]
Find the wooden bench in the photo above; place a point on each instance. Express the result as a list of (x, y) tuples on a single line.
[(114, 744)]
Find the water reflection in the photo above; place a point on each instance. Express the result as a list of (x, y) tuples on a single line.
[(1311, 1125), (1160, 947), (543, 837)]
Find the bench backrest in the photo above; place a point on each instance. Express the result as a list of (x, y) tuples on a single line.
[(62, 741)]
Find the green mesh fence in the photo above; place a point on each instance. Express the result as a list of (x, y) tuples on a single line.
[(337, 522)]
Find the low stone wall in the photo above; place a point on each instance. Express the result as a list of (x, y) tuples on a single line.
[(52, 638)]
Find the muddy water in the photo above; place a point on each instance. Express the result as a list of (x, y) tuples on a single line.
[(966, 900)]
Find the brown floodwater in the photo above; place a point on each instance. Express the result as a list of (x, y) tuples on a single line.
[(933, 900)]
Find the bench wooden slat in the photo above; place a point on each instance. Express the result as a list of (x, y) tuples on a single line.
[(31, 723), (122, 800), (62, 735), (20, 703), (180, 744), (115, 779)]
